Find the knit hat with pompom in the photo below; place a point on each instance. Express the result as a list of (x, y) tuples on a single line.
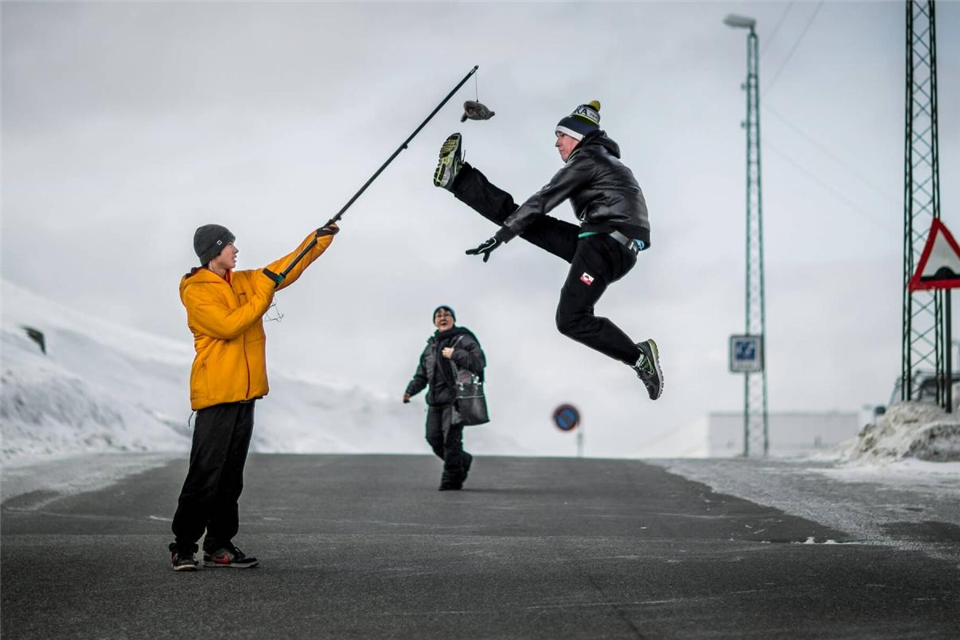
[(583, 120)]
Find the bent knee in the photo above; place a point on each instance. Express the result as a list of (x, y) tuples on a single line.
[(568, 324)]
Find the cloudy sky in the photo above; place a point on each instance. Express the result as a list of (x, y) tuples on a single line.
[(127, 125)]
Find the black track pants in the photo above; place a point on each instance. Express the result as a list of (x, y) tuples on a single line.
[(210, 494), (596, 262), (446, 440)]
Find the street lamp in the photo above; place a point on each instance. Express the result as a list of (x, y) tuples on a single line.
[(739, 22), (755, 380)]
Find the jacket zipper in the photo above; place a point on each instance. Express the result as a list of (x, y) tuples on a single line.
[(246, 361)]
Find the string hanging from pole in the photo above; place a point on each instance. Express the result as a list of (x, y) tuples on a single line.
[(474, 109)]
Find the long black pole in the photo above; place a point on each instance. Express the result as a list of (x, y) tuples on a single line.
[(324, 230), (949, 322)]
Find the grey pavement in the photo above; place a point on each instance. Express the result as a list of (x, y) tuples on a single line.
[(366, 547)]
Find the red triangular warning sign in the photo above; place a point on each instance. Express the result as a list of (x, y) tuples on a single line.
[(939, 266)]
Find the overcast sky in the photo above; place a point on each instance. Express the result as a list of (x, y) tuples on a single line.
[(126, 126)]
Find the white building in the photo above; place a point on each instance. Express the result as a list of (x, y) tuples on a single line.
[(789, 433)]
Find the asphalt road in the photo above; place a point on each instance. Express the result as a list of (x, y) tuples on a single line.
[(366, 547)]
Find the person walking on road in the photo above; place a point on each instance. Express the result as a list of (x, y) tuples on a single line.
[(448, 344), (614, 228), (225, 311)]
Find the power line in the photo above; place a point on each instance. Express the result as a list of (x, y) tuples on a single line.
[(820, 147), (773, 33), (833, 156), (794, 48), (823, 185)]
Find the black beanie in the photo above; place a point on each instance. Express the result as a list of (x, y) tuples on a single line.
[(209, 240), (583, 120), (443, 306)]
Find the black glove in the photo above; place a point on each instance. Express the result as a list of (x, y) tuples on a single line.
[(276, 277), (329, 230), (486, 248)]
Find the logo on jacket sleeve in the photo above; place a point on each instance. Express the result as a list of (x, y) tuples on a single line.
[(586, 278)]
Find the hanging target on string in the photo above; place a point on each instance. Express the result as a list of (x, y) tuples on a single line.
[(474, 109)]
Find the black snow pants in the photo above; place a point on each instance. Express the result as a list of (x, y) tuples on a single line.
[(446, 440), (596, 262), (210, 494)]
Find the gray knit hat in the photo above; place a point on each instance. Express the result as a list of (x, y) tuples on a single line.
[(448, 308), (209, 240)]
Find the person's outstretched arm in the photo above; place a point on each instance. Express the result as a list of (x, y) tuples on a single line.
[(323, 241), (579, 171)]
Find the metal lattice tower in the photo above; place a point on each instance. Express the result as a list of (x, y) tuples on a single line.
[(924, 329), (754, 384)]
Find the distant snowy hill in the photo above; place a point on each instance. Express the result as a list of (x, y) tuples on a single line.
[(105, 387)]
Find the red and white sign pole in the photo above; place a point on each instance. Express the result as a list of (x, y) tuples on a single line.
[(939, 268)]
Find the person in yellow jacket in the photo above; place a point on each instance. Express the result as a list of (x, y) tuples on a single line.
[(225, 311)]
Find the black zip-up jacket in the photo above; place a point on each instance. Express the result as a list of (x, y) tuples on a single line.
[(434, 370), (604, 194)]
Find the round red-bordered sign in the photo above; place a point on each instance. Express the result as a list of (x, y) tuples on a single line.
[(566, 417)]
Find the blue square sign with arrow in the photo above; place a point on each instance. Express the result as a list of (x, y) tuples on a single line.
[(746, 354)]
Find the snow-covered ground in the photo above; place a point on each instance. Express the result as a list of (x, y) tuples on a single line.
[(38, 480), (102, 387), (880, 487)]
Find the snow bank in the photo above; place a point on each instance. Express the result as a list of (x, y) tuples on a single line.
[(103, 387), (908, 430), (43, 479), (99, 388)]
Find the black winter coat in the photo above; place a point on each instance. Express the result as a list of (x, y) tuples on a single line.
[(604, 194), (434, 370)]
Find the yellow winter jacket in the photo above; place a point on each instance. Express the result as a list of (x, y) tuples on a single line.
[(226, 318)]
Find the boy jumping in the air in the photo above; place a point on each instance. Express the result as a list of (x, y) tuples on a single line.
[(614, 228)]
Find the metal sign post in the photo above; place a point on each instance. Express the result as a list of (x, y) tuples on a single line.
[(746, 356), (939, 271)]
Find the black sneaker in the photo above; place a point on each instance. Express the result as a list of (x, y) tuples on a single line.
[(229, 556), (648, 368), (451, 160), (183, 560), (451, 486)]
